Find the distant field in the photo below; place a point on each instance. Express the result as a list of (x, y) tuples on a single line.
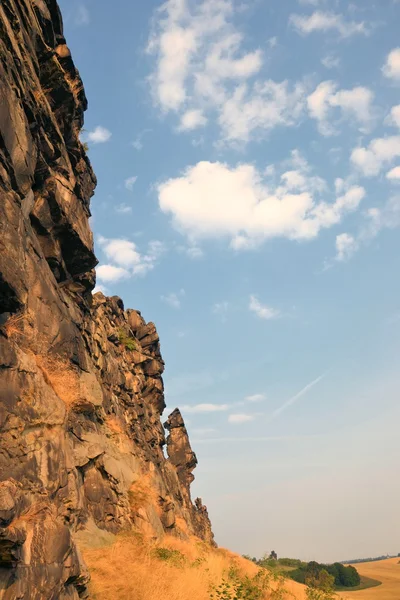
[(385, 571)]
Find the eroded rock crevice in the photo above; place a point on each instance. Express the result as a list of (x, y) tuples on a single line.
[(81, 389)]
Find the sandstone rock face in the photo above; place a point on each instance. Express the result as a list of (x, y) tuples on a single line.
[(81, 392)]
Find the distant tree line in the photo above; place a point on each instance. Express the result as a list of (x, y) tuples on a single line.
[(323, 576), (361, 560), (313, 574)]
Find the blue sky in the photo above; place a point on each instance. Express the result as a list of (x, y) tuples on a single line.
[(248, 202)]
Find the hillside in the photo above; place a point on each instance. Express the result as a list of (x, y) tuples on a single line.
[(386, 571)]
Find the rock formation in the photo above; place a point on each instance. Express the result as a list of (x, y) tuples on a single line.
[(80, 377)]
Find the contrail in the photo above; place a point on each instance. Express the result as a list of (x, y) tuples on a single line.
[(294, 398)]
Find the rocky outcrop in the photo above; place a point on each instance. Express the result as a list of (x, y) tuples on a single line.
[(81, 391)]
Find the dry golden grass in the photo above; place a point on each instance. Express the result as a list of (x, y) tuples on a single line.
[(386, 571), (142, 493), (61, 376), (131, 569), (14, 325)]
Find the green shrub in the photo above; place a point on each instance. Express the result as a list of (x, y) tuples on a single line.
[(239, 587), (173, 556), (126, 340)]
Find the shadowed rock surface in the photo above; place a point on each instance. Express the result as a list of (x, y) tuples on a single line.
[(80, 377)]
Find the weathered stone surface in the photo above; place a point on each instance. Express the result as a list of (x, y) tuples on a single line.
[(81, 437)]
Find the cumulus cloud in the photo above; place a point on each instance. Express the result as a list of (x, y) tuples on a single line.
[(326, 21), (202, 69), (240, 418), (394, 117), (371, 159), (391, 68), (255, 398), (260, 108), (192, 119), (130, 182), (346, 246), (213, 200), (354, 104), (262, 310), (205, 408), (127, 259), (394, 174), (111, 273), (173, 299), (99, 135)]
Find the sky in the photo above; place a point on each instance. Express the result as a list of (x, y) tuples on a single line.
[(248, 202)]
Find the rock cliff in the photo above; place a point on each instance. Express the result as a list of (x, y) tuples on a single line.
[(80, 377)]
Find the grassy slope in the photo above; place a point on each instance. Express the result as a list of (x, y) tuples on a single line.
[(386, 571), (132, 568)]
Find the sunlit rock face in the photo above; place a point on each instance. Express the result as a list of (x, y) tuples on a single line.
[(80, 377)]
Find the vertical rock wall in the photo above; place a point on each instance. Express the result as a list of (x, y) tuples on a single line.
[(81, 392)]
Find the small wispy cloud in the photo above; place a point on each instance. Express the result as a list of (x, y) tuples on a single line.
[(255, 398), (123, 208), (99, 135), (205, 408), (221, 309), (326, 21), (203, 431), (296, 397), (82, 16), (240, 418), (174, 299), (130, 182), (262, 310)]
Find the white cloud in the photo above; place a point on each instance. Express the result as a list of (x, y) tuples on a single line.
[(394, 117), (326, 21), (394, 174), (99, 135), (205, 408), (203, 431), (174, 299), (123, 208), (82, 16), (111, 273), (261, 107), (201, 69), (192, 119), (127, 258), (213, 200), (346, 246), (376, 220), (194, 252), (255, 398), (262, 310), (330, 61), (391, 68), (100, 288), (379, 152), (240, 418), (354, 104), (130, 182)]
